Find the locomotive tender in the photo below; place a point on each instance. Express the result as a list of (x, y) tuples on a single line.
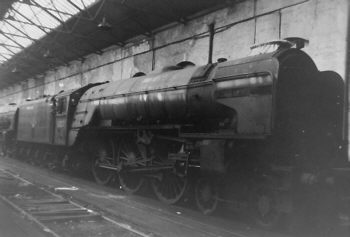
[(233, 129)]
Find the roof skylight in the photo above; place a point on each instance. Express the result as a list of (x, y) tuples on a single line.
[(29, 20)]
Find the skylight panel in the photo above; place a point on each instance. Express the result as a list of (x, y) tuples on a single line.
[(29, 20)]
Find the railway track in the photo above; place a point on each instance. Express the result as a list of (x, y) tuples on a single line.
[(71, 206), (63, 205), (57, 215)]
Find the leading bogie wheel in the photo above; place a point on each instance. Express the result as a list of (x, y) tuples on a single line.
[(265, 208), (103, 154)]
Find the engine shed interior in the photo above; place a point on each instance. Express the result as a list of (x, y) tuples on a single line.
[(241, 104)]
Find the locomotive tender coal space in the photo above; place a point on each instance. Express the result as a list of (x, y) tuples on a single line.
[(237, 131)]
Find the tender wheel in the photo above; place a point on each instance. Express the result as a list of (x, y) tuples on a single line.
[(129, 157), (20, 152), (9, 150), (169, 187), (54, 163), (103, 154), (28, 155), (265, 208), (37, 157), (206, 196)]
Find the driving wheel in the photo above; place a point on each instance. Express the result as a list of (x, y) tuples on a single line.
[(169, 186)]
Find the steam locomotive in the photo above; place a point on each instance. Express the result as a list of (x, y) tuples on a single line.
[(233, 130)]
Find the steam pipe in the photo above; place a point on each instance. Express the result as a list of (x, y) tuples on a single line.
[(211, 42)]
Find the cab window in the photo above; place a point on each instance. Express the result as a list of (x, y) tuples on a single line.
[(61, 107)]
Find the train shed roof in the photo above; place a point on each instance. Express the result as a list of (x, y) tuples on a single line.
[(39, 35)]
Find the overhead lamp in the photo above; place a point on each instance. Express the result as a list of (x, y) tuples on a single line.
[(104, 25)]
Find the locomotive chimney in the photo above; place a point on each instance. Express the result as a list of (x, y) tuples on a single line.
[(298, 42)]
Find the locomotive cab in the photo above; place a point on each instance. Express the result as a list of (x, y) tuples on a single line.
[(61, 117), (65, 107)]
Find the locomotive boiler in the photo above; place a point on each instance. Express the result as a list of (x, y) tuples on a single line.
[(233, 130)]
